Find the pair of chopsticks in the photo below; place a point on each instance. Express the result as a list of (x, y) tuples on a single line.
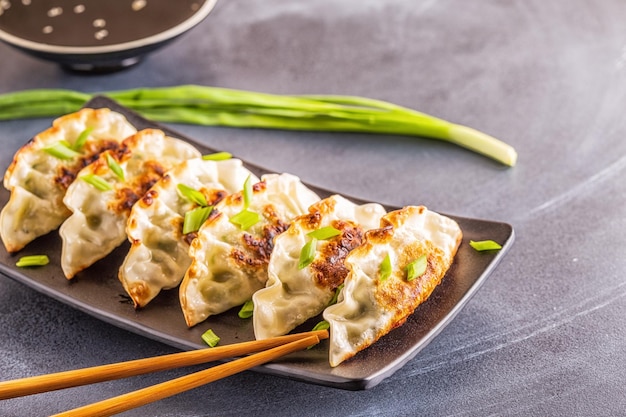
[(269, 349)]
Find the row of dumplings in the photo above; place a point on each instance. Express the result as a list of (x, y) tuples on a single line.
[(271, 240)]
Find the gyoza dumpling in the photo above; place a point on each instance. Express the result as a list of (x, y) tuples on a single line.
[(158, 257), (105, 191), (380, 293), (293, 294), (228, 263), (42, 170)]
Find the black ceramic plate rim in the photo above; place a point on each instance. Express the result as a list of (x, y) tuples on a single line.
[(168, 34), (365, 371)]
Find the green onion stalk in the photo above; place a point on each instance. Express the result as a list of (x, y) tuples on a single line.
[(212, 106)]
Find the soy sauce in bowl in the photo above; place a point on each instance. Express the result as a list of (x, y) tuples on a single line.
[(96, 35)]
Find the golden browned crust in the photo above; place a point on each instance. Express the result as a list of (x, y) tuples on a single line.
[(67, 174), (255, 251), (406, 295), (329, 269), (397, 294), (90, 152)]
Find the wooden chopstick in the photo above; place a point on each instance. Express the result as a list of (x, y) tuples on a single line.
[(175, 386), (74, 378)]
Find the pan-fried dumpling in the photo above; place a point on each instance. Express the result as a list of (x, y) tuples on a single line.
[(42, 170), (158, 256), (395, 270), (103, 194), (229, 263), (293, 294)]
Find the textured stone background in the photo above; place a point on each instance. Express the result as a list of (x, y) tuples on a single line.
[(543, 336)]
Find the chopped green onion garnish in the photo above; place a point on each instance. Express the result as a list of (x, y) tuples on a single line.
[(195, 218), (218, 156), (324, 233), (247, 192), (246, 310), (245, 219), (385, 268), (210, 338), (192, 195), (322, 325), (115, 167), (484, 245), (98, 182), (32, 260), (416, 268), (82, 138), (336, 295), (61, 151), (307, 254)]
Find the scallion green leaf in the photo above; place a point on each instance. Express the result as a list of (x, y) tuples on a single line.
[(336, 295), (307, 254), (217, 156), (324, 233), (61, 151), (322, 325), (247, 192), (32, 260), (195, 218), (484, 245), (245, 219), (246, 310), (192, 195), (213, 106), (385, 268), (115, 167), (210, 338), (97, 182), (416, 268), (82, 139)]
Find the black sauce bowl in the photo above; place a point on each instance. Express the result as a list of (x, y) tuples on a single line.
[(97, 35)]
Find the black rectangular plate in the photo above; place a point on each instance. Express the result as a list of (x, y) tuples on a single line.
[(98, 292)]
